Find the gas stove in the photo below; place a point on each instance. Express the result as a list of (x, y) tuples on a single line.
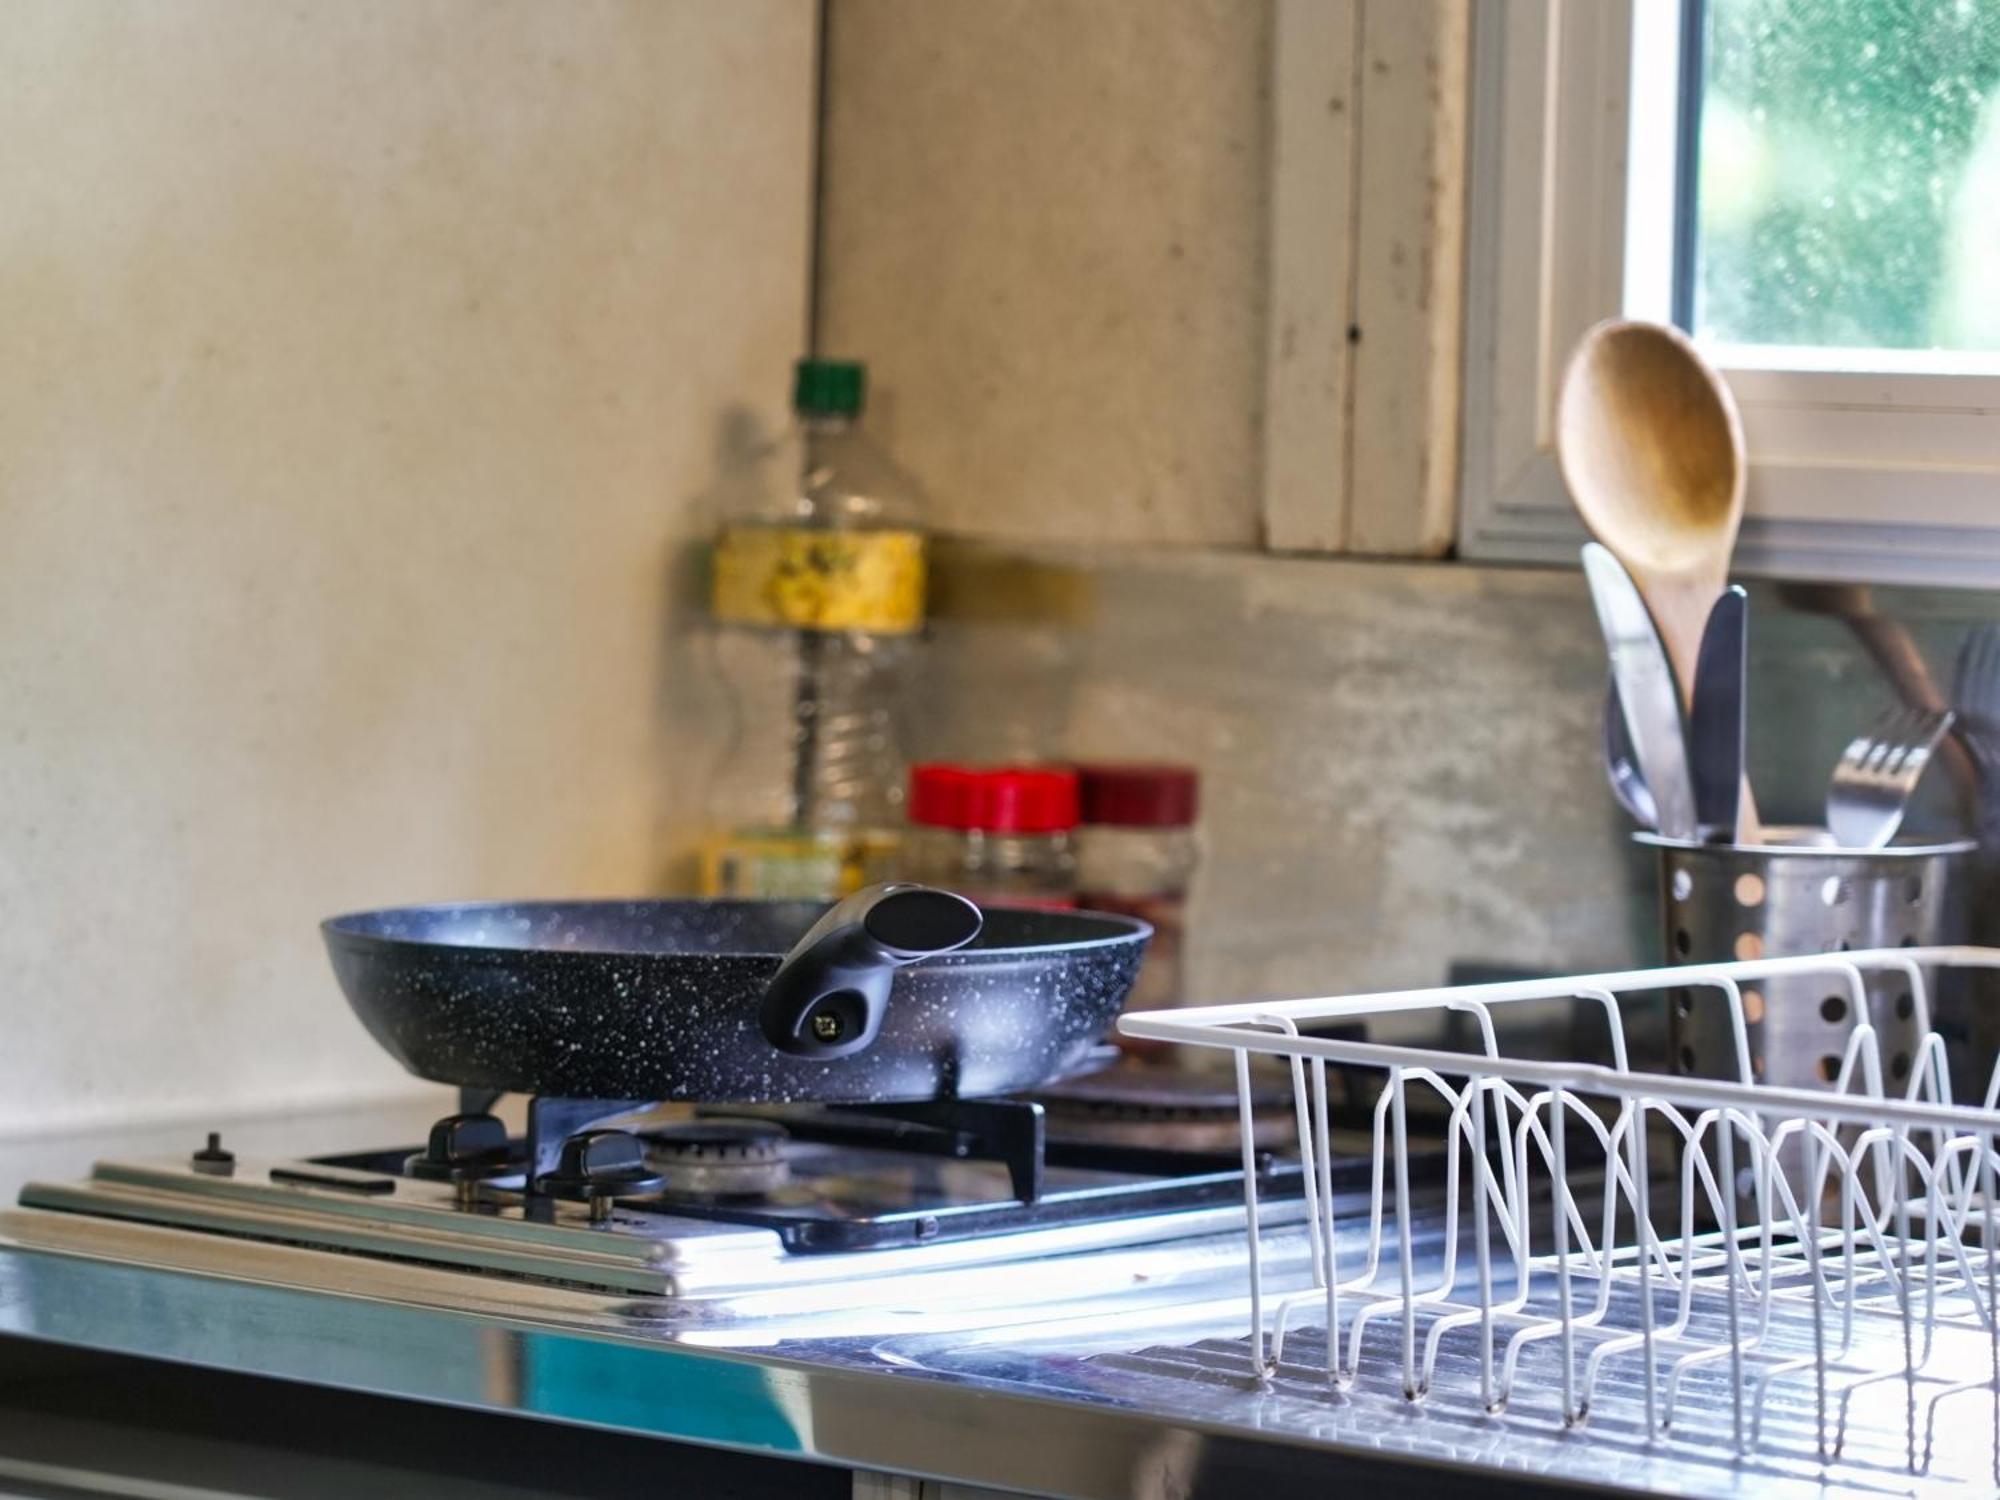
[(623, 1197), (893, 1292)]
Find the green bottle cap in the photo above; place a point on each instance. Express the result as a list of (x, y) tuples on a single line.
[(829, 387)]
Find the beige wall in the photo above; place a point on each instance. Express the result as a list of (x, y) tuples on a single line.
[(1044, 226), (358, 363)]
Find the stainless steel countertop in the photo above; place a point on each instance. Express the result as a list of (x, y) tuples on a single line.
[(1135, 1391)]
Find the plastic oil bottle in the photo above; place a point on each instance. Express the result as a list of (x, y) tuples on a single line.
[(818, 595)]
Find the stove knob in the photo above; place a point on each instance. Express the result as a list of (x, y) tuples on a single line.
[(211, 1160), (597, 1166), (463, 1149)]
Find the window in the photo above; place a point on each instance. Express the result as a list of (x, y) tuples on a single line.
[(1812, 187), (1846, 182)]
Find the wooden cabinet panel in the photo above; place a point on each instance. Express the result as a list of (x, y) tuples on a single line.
[(1184, 271), (1043, 226)]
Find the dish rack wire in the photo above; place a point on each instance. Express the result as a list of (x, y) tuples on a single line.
[(1846, 1282)]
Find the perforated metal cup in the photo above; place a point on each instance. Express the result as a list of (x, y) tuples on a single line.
[(1797, 894)]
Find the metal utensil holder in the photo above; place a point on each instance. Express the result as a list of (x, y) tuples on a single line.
[(1794, 895)]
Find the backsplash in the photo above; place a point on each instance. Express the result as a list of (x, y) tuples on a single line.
[(1400, 765)]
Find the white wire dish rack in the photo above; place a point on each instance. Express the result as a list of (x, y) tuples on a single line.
[(1836, 1308)]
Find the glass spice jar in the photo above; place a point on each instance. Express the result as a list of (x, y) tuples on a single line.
[(999, 835), (1136, 854)]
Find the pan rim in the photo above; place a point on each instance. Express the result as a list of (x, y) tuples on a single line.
[(1127, 929)]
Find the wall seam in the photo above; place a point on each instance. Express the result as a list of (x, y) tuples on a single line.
[(1358, 115), (816, 234)]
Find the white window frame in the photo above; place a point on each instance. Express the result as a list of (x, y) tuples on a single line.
[(1886, 476)]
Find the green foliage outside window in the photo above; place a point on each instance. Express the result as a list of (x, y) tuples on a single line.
[(1850, 174)]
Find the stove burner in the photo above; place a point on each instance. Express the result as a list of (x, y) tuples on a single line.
[(834, 1178), (1138, 1105), (716, 1157)]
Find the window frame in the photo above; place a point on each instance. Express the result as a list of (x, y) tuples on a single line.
[(1879, 476)]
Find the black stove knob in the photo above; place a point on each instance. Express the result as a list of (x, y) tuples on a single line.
[(462, 1149), (212, 1160), (597, 1166)]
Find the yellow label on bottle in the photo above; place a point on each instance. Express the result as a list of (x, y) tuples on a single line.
[(808, 579), (796, 864), (774, 864)]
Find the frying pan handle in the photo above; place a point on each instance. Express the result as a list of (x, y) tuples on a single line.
[(829, 995)]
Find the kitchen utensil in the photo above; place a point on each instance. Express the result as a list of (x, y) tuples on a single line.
[(1651, 448), (1715, 725), (1645, 690), (736, 1001), (1873, 781), (1895, 652), (1621, 763)]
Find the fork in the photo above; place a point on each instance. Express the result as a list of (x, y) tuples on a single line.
[(1871, 786)]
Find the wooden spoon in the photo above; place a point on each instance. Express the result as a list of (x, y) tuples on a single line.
[(1651, 447)]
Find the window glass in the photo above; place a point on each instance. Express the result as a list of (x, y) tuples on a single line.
[(1849, 174)]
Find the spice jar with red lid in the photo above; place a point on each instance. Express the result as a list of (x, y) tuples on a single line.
[(1002, 835), (1136, 853)]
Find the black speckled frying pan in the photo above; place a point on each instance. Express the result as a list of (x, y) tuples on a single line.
[(899, 993)]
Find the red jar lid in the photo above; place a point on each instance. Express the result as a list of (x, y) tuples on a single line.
[(1139, 795), (994, 799)]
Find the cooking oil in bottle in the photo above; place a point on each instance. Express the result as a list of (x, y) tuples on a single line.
[(818, 603)]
